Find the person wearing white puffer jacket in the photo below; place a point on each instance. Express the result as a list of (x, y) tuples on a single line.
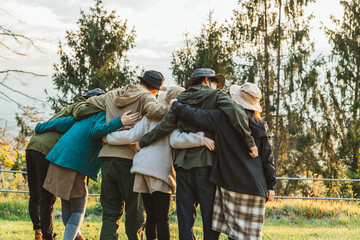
[(153, 166)]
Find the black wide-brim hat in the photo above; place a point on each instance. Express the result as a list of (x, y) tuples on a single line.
[(154, 78), (206, 72)]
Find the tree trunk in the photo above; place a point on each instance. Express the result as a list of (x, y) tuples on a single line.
[(276, 147), (355, 161), (267, 80)]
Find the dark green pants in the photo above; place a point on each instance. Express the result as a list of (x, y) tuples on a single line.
[(117, 194)]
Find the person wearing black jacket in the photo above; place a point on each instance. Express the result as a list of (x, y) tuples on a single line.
[(243, 183)]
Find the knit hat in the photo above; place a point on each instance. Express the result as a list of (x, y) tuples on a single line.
[(247, 95)]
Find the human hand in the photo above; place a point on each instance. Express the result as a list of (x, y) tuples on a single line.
[(209, 143), (254, 152), (104, 139), (129, 119), (133, 147), (172, 101), (271, 195), (137, 147)]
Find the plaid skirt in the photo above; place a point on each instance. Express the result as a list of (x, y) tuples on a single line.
[(240, 216)]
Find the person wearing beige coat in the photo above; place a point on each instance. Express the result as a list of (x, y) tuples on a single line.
[(153, 167), (116, 161)]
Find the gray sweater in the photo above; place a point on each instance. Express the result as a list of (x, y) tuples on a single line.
[(157, 159)]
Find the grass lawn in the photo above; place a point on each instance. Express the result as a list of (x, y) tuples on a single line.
[(273, 229), (288, 219)]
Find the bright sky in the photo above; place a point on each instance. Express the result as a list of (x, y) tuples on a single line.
[(160, 26)]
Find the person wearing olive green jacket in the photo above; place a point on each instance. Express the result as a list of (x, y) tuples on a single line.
[(193, 165), (41, 201)]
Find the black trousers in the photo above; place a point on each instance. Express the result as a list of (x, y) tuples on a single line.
[(157, 207), (41, 202)]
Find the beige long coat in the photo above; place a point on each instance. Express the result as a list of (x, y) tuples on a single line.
[(65, 182)]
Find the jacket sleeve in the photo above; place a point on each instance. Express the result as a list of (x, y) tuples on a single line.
[(100, 127), (152, 109), (183, 140), (165, 127), (97, 101), (124, 137), (82, 111), (61, 124), (238, 118), (268, 161), (203, 119)]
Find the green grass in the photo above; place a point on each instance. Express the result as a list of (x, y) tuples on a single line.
[(288, 219)]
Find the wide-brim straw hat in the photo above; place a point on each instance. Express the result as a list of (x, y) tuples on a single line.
[(247, 95), (206, 72)]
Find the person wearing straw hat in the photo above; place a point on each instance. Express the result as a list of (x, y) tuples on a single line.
[(243, 183), (193, 164)]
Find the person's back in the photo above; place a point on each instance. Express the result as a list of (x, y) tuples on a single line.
[(39, 146), (193, 165), (243, 183), (116, 161), (116, 102)]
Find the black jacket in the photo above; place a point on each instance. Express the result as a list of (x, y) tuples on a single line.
[(233, 168)]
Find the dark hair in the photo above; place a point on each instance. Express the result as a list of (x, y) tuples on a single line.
[(147, 85), (198, 81)]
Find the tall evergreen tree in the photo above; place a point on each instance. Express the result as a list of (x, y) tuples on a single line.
[(96, 57), (274, 50), (344, 85), (210, 49)]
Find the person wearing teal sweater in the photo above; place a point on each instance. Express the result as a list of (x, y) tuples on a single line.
[(74, 158)]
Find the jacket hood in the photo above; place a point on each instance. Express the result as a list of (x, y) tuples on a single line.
[(79, 99), (196, 94), (129, 94)]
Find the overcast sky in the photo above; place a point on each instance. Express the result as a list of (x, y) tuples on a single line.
[(160, 26)]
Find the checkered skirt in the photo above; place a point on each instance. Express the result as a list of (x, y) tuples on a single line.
[(240, 216)]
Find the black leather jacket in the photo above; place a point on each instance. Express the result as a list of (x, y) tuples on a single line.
[(233, 168)]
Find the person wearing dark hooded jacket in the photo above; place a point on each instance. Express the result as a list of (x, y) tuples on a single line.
[(243, 183)]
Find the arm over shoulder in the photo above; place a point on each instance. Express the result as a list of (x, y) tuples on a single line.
[(61, 124), (100, 127), (165, 127), (183, 140), (152, 109), (128, 136), (237, 116), (203, 119)]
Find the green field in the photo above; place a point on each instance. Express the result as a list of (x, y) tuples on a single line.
[(284, 220)]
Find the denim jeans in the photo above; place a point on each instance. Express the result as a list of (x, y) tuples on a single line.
[(41, 202), (73, 212), (194, 188)]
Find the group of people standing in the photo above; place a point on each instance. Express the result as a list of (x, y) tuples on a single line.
[(209, 148)]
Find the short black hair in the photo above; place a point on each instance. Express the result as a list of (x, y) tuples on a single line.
[(198, 81), (147, 85)]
